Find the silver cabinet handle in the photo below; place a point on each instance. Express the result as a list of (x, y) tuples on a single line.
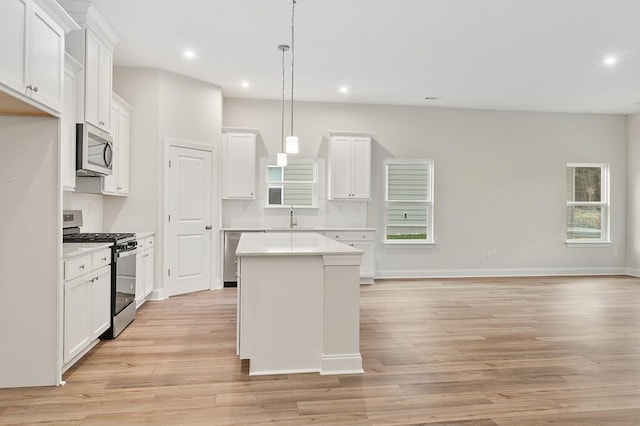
[(81, 267), (34, 88), (207, 227), (104, 259)]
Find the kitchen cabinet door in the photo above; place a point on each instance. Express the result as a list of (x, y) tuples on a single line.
[(98, 83), (140, 278), (361, 168), (117, 183), (31, 53), (68, 121), (100, 301), (13, 33), (123, 135), (148, 271), (239, 165), (46, 60), (341, 163), (77, 331), (350, 168)]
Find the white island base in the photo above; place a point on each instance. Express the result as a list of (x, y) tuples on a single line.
[(298, 304)]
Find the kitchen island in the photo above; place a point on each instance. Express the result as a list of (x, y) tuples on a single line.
[(298, 304)]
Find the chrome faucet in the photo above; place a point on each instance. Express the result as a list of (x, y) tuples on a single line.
[(292, 222)]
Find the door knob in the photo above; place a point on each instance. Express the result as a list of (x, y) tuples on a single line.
[(207, 227)]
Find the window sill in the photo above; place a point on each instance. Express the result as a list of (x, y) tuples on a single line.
[(428, 244), (572, 243)]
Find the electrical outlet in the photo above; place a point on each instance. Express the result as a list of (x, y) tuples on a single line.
[(492, 254)]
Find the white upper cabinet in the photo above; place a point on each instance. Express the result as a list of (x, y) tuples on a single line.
[(32, 51), (349, 166), (93, 47), (239, 163), (68, 119), (98, 82), (118, 182)]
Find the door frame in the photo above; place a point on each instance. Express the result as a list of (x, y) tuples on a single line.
[(164, 218)]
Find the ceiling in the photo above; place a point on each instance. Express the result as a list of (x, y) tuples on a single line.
[(528, 55)]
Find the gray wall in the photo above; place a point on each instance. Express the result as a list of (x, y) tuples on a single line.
[(633, 200), (165, 105), (30, 242), (499, 181)]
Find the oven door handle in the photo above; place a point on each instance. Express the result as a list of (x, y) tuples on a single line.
[(127, 253)]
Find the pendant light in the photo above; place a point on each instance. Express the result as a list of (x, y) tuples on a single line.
[(291, 146), (282, 156)]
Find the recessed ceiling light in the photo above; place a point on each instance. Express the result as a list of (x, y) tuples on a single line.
[(189, 54), (245, 84), (432, 98), (343, 89), (610, 61)]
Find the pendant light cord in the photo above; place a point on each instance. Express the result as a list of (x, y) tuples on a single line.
[(283, 48), (293, 12)]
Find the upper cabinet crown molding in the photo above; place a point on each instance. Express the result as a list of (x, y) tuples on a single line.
[(54, 10), (87, 15)]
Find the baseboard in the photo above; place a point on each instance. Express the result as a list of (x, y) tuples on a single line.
[(512, 272), (341, 364), (634, 272), (158, 294)]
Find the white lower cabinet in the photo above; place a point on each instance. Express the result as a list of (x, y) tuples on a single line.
[(362, 240), (144, 269), (87, 297)]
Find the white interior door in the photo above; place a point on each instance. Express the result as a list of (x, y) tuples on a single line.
[(190, 216)]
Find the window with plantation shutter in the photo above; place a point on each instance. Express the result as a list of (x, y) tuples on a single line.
[(293, 184), (409, 200), (587, 202)]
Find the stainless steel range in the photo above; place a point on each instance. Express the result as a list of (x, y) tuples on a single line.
[(123, 268)]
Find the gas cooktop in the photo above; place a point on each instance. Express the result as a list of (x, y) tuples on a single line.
[(90, 237)]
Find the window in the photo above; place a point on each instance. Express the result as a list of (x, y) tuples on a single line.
[(587, 202), (409, 201), (294, 184)]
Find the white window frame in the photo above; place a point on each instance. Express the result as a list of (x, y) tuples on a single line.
[(604, 204), (271, 163), (430, 240)]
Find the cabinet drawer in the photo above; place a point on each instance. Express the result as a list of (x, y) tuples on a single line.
[(101, 258), (77, 266), (350, 235)]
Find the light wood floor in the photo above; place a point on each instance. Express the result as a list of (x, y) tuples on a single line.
[(458, 352)]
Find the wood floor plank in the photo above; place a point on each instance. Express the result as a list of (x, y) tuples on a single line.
[(469, 352)]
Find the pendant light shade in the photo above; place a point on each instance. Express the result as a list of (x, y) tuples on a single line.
[(291, 145), (281, 159)]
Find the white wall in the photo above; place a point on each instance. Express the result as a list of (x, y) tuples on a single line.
[(92, 207), (165, 105), (30, 241), (633, 194), (499, 181)]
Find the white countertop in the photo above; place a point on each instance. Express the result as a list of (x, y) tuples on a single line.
[(290, 243), (295, 229), (140, 235), (77, 249)]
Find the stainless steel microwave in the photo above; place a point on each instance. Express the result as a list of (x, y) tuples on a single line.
[(94, 151)]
